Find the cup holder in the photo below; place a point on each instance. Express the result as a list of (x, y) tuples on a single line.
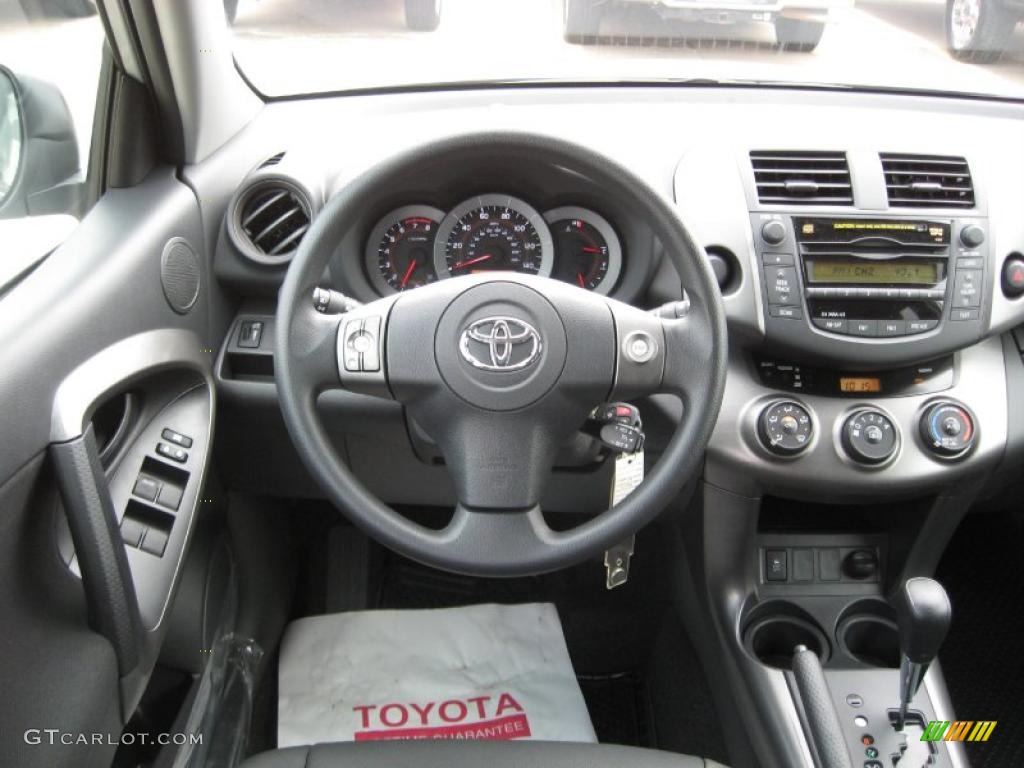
[(870, 639), (774, 631)]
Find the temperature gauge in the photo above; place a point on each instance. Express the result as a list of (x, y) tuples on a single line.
[(587, 250)]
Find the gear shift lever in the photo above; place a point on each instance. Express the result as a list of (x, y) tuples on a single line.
[(923, 613)]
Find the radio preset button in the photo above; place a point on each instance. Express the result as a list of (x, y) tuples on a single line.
[(863, 327), (892, 327), (960, 315), (831, 324), (921, 326)]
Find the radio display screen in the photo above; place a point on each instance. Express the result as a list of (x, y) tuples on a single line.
[(865, 272)]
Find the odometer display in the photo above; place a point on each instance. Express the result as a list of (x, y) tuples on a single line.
[(493, 233)]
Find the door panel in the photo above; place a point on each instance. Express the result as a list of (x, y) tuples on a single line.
[(91, 321)]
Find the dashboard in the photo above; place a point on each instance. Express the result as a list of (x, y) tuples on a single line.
[(868, 255), (417, 244)]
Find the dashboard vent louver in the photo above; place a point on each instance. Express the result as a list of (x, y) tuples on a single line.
[(802, 178), (271, 218), (927, 181)]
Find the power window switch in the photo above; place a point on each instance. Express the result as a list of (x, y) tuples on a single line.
[(172, 452), (775, 565), (132, 531), (146, 488), (155, 542), (170, 497)]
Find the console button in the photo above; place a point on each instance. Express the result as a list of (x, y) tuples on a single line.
[(832, 324), (967, 288), (892, 327), (132, 531), (781, 285), (155, 542), (869, 437), (250, 334), (1013, 276), (775, 565), (861, 564), (786, 312), (948, 430), (828, 564), (146, 488), (803, 565), (777, 259), (970, 262), (863, 327), (959, 315)]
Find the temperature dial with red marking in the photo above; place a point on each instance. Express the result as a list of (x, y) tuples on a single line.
[(948, 430), (785, 428), (587, 250)]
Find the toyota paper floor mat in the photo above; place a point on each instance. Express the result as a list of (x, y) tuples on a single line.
[(478, 672)]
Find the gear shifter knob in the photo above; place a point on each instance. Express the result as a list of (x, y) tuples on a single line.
[(923, 613)]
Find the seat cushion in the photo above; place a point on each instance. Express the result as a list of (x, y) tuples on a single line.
[(472, 754)]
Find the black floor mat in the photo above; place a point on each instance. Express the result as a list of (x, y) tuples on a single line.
[(981, 658), (619, 708)]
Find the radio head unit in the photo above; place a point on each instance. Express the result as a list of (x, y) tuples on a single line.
[(876, 280)]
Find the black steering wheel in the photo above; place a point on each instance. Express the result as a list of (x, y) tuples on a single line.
[(500, 370)]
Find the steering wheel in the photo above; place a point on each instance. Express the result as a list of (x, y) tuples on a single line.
[(500, 370)]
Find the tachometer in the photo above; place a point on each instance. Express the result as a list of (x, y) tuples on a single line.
[(493, 233), (587, 250), (400, 249)]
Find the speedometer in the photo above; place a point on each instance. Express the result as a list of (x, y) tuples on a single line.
[(493, 233)]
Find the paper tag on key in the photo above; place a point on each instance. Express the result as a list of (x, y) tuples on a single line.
[(629, 473)]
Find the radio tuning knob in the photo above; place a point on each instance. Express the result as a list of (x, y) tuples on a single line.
[(972, 236), (773, 232)]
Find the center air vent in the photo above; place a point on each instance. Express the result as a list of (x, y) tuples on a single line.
[(927, 181), (802, 178), (269, 220)]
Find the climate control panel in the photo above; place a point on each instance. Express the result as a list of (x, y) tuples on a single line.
[(948, 430)]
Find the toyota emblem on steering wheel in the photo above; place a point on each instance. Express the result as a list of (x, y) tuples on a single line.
[(500, 344)]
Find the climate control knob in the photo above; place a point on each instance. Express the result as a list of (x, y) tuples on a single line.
[(948, 430), (869, 437), (785, 428)]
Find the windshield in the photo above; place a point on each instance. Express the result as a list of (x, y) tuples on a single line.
[(306, 46)]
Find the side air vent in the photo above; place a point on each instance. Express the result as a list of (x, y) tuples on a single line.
[(802, 178), (927, 181), (269, 219), (272, 160)]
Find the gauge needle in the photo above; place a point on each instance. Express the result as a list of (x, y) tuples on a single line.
[(580, 280), (408, 273), (590, 249), (470, 262)]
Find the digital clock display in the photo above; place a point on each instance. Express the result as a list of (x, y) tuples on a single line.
[(873, 272), (860, 384)]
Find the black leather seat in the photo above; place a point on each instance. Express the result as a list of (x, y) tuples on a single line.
[(472, 754)]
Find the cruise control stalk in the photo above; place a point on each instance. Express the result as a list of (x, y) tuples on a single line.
[(328, 302)]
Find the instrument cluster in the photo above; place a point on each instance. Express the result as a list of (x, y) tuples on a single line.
[(417, 244)]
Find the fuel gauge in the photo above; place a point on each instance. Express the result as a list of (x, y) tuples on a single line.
[(587, 250)]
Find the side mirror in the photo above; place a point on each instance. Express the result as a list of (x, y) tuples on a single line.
[(39, 166)]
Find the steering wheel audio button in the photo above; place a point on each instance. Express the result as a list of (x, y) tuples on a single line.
[(639, 347)]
